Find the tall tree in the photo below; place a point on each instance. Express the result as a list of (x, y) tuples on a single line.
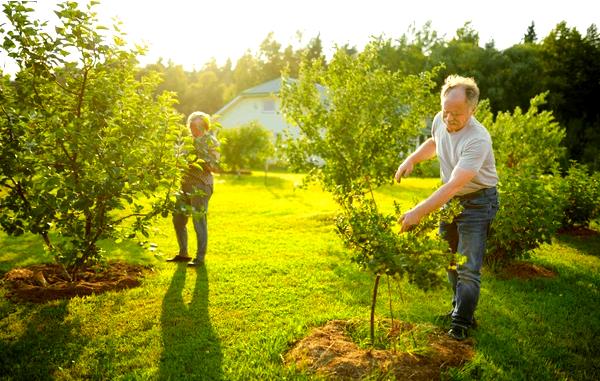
[(520, 78), (571, 72), (246, 72), (270, 58), (204, 93), (530, 36)]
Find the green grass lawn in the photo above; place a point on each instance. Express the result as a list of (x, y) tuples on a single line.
[(275, 268)]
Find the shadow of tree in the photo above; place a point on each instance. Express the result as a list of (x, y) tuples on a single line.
[(192, 350), (589, 245), (16, 251), (271, 180), (548, 308), (48, 343)]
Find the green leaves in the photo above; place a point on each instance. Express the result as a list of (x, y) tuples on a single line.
[(378, 247), (528, 141), (581, 191), (528, 151), (354, 115), (531, 210), (354, 120), (245, 147), (84, 136)]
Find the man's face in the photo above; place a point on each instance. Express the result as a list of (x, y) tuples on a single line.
[(198, 127), (456, 111)]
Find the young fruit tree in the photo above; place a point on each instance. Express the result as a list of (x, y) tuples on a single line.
[(89, 150), (353, 120)]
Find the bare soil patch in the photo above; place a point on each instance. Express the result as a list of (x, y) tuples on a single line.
[(526, 270), (41, 283), (328, 351)]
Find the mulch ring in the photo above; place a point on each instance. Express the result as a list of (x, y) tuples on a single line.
[(526, 270), (329, 352), (41, 283)]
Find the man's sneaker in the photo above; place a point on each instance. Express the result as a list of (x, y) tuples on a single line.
[(179, 258), (195, 263), (458, 333)]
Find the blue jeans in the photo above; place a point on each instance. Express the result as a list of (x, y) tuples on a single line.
[(200, 205), (467, 235)]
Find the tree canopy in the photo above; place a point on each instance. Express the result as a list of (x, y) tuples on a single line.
[(86, 143), (566, 63)]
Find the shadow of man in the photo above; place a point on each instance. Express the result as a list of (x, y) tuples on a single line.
[(192, 350)]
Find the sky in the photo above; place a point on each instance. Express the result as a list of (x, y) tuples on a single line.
[(190, 33)]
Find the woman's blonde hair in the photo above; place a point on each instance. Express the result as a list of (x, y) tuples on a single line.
[(469, 84)]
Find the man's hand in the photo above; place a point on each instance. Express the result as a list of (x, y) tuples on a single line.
[(408, 220), (404, 170)]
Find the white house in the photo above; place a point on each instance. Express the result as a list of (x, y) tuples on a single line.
[(260, 104)]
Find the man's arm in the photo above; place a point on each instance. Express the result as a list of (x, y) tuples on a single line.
[(459, 178), (425, 152)]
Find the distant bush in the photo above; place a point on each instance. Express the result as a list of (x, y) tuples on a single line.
[(582, 193), (429, 168), (245, 147)]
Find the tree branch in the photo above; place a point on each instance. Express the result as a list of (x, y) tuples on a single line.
[(129, 216), (81, 92), (63, 86)]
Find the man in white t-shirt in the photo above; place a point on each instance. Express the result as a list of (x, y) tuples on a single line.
[(468, 171)]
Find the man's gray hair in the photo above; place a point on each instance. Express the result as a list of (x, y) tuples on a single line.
[(199, 115), (469, 84)]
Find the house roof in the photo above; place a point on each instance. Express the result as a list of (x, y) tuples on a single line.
[(264, 89), (270, 87)]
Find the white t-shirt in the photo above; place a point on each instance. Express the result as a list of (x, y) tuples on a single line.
[(468, 148)]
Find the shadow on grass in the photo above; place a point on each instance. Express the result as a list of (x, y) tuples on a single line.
[(541, 328), (28, 249), (271, 180), (21, 251), (192, 350), (587, 245), (47, 344)]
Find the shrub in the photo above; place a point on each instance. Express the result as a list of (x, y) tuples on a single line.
[(377, 247), (530, 212), (527, 151), (528, 142), (246, 147), (429, 168), (582, 193)]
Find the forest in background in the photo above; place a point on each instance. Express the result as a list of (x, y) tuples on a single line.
[(566, 63)]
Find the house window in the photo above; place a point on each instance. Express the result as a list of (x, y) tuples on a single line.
[(268, 105)]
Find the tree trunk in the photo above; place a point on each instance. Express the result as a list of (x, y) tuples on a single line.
[(373, 304)]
